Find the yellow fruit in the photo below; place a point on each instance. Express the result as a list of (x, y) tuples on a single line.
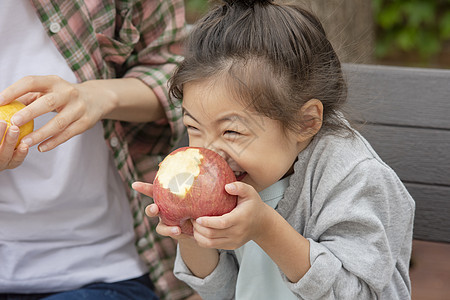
[(8, 110)]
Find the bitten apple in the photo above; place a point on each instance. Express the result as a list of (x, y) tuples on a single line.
[(190, 183)]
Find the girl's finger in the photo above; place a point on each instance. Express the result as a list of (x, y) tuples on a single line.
[(209, 232), (240, 189), (221, 222), (143, 188), (217, 243), (172, 231), (152, 210)]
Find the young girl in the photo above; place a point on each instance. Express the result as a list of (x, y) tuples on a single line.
[(319, 214)]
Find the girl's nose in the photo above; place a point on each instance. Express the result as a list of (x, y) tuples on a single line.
[(218, 151)]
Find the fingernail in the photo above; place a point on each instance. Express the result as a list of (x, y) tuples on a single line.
[(43, 148), (14, 129), (22, 148), (174, 230), (199, 221), (230, 187), (28, 141), (2, 99), (16, 120)]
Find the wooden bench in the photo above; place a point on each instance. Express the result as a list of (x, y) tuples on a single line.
[(405, 115)]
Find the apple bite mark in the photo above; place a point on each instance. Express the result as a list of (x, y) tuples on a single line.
[(179, 171)]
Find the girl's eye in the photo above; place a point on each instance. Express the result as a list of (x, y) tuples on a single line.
[(189, 127), (232, 132)]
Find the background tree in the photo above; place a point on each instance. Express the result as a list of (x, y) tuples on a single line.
[(349, 25)]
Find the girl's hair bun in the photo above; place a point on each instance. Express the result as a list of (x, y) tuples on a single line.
[(247, 3)]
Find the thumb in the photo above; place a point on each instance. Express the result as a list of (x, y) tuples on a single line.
[(152, 210), (241, 189)]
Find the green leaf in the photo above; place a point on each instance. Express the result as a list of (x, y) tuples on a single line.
[(389, 16), (444, 25), (406, 39), (419, 12), (430, 44)]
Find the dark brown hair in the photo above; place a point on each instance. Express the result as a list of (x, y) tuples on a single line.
[(275, 57)]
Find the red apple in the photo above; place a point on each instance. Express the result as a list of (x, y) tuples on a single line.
[(190, 183)]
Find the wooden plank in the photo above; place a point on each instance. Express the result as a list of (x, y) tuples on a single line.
[(399, 96), (432, 219), (416, 154)]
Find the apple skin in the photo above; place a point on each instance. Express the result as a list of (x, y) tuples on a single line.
[(203, 193)]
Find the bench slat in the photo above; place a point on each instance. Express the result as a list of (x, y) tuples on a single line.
[(432, 221), (400, 96), (416, 154)]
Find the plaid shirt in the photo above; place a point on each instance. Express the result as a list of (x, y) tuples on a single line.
[(102, 39)]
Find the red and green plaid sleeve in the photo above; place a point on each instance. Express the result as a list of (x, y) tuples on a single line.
[(102, 39)]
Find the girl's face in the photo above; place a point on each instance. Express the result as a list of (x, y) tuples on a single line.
[(257, 149)]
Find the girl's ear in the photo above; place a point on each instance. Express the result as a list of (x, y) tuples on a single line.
[(312, 115)]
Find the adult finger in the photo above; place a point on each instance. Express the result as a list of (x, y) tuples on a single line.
[(25, 85), (63, 126), (46, 103), (8, 144), (19, 156), (62, 135), (29, 98)]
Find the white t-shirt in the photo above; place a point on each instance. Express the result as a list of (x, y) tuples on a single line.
[(64, 215), (259, 277)]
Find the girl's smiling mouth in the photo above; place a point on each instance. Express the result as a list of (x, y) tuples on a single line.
[(240, 175)]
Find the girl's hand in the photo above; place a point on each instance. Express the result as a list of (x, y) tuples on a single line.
[(11, 158), (79, 107), (152, 210), (232, 230)]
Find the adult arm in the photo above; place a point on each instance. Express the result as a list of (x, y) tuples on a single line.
[(140, 47), (79, 106)]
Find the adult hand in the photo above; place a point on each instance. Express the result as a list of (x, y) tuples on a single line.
[(11, 158), (78, 107)]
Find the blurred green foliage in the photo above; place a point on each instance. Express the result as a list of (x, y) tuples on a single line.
[(197, 5), (402, 26), (195, 9), (419, 26)]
